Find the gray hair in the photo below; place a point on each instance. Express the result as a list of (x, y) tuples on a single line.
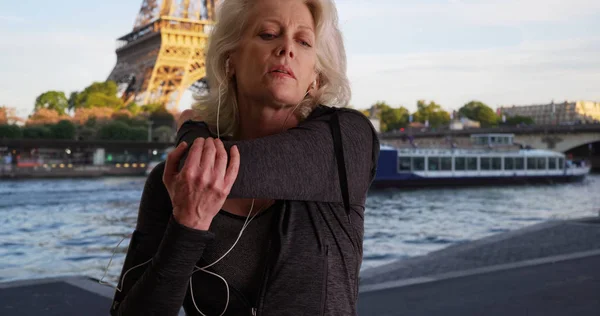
[(232, 17)]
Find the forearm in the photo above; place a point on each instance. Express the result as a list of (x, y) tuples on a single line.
[(161, 289), (299, 164), (158, 286)]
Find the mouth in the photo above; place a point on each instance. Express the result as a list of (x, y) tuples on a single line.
[(283, 71)]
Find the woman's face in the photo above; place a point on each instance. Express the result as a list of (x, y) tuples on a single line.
[(275, 61)]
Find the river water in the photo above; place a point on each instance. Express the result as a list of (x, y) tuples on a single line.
[(70, 227)]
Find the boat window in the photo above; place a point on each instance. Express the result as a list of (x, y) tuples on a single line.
[(552, 163), (519, 163), (404, 164), (433, 163), (472, 163), (561, 163), (541, 163), (460, 163), (486, 163), (509, 163), (531, 163), (446, 163), (496, 163), (418, 163)]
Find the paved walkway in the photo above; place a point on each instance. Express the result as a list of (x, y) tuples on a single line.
[(547, 269), (536, 241), (565, 288)]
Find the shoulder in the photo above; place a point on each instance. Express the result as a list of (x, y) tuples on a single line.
[(347, 116), (352, 121)]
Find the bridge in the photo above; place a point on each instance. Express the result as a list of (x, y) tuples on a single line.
[(581, 141), (562, 138)]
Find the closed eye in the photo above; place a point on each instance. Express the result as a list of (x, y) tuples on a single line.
[(304, 43), (267, 36)]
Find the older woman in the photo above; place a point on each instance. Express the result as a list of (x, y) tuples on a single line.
[(259, 210)]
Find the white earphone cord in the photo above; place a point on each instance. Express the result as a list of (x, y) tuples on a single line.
[(246, 223)]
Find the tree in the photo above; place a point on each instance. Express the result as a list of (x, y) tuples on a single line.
[(63, 130), (118, 130), (389, 118), (480, 112), (133, 108), (98, 94), (152, 107), (162, 117), (52, 100), (37, 132), (3, 115), (44, 116), (432, 113), (83, 115), (518, 120), (10, 131), (163, 134), (8, 115)]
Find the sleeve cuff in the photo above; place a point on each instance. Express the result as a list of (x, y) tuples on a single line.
[(181, 248)]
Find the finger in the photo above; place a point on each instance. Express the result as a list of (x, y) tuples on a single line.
[(208, 156), (193, 159), (233, 168), (172, 163), (221, 159)]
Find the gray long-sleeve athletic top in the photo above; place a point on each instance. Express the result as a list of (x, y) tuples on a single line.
[(314, 247)]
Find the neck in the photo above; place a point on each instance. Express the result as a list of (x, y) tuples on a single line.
[(258, 120)]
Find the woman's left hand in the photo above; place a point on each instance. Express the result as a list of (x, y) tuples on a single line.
[(200, 188)]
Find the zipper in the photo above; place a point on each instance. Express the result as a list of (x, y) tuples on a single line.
[(268, 260), (264, 282)]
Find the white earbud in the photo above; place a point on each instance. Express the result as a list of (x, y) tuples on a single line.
[(227, 67)]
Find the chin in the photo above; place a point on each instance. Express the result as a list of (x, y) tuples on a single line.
[(285, 96)]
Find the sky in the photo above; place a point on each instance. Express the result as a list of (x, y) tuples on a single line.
[(500, 52)]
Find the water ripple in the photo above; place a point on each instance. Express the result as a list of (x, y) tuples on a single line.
[(71, 227)]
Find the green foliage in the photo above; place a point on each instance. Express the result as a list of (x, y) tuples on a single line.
[(162, 117), (37, 132), (52, 100), (152, 107), (10, 131), (517, 120), (118, 130), (98, 94), (390, 118), (86, 133), (431, 112), (133, 108), (480, 112), (63, 130), (163, 134)]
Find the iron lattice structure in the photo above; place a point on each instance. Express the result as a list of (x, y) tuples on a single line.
[(164, 55)]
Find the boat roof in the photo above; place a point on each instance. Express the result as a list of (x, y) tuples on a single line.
[(472, 152)]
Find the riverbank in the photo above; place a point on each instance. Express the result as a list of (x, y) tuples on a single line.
[(62, 171), (549, 268)]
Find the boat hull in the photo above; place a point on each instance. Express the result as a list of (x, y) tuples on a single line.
[(413, 181)]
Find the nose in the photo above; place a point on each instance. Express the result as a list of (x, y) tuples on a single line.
[(286, 48)]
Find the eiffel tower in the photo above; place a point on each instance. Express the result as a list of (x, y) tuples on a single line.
[(164, 55)]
